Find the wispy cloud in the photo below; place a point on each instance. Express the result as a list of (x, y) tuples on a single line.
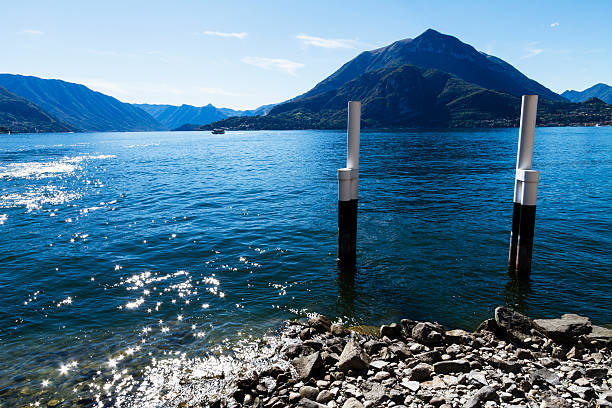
[(240, 36), (31, 32), (532, 51), (326, 42), (555, 24), (274, 64)]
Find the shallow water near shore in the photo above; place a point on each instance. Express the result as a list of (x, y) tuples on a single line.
[(120, 249)]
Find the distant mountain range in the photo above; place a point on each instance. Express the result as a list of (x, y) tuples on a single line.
[(78, 106), (434, 80), (187, 116), (599, 91), (20, 115)]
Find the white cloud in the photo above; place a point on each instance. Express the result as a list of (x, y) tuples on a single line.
[(531, 50), (555, 24), (274, 64), (31, 32), (240, 36), (326, 42)]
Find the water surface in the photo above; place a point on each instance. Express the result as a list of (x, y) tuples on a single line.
[(120, 248)]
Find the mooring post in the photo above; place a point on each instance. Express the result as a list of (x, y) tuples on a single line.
[(524, 183), (348, 187), (529, 194)]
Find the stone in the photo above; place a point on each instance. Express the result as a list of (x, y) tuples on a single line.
[(437, 401), (402, 352), (324, 397), (381, 376), (420, 372), (458, 336), (353, 358), (374, 392), (428, 333), (320, 323), (555, 402), (515, 326), (429, 357), (484, 394), (393, 331), (339, 330), (411, 385), (308, 366), (53, 403), (544, 376), (306, 403), (507, 366), (378, 364), (309, 392), (452, 366), (601, 334), (374, 346), (565, 330), (597, 372), (408, 324), (294, 396), (352, 403), (523, 354), (585, 393)]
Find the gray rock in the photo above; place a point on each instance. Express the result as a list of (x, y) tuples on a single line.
[(374, 346), (429, 357), (428, 333), (306, 403), (555, 402), (411, 385), (597, 372), (544, 376), (452, 366), (339, 330), (392, 331), (408, 324), (320, 323), (308, 366), (379, 364), (484, 394), (523, 354), (514, 325), (352, 403), (402, 352), (420, 372), (309, 392), (565, 330), (374, 392), (353, 358), (586, 393), (458, 336), (324, 397), (601, 334)]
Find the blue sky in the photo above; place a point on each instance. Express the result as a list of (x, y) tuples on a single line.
[(243, 54)]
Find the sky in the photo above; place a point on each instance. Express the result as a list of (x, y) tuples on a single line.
[(244, 54)]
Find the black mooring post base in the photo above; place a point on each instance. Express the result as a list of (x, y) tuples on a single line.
[(525, 240), (347, 233), (514, 233)]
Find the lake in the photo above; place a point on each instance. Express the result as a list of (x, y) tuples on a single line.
[(120, 248)]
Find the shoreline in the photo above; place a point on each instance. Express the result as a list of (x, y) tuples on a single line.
[(509, 361)]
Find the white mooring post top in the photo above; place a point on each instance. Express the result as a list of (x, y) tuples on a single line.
[(529, 193), (529, 109), (353, 134)]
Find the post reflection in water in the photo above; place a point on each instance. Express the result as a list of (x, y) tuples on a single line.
[(517, 293), (347, 294)]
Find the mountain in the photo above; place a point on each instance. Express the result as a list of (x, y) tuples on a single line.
[(188, 117), (599, 91), (445, 83), (78, 106), (438, 51), (19, 115)]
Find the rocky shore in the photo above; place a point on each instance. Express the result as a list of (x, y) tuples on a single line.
[(509, 361)]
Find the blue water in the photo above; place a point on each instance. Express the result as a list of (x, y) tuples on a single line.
[(117, 248)]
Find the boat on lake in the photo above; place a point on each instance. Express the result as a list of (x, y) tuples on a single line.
[(218, 131)]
